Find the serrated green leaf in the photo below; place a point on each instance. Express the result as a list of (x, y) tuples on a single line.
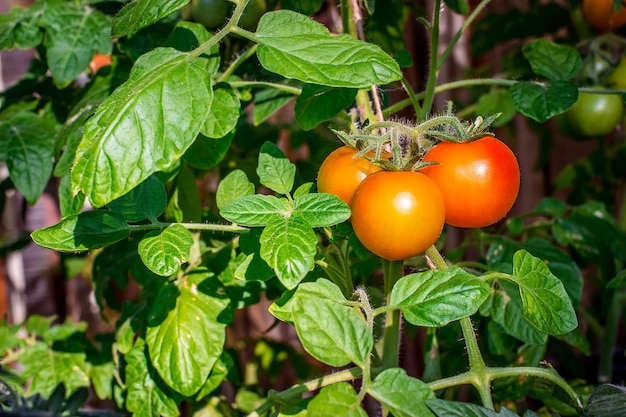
[(73, 35), (49, 368), (224, 114), (505, 308), (295, 46), (145, 126), (321, 210), (331, 332), (141, 13), (256, 210), (233, 186), (309, 291), (186, 331), (544, 298), (437, 297), (334, 400), (317, 104), (444, 408), (146, 201), (163, 252), (18, 28), (542, 101), (84, 231), (275, 170), (27, 142), (553, 61), (403, 395), (288, 245), (267, 102), (146, 396)]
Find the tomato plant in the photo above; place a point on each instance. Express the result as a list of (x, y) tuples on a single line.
[(602, 15), (397, 215), (479, 180), (185, 182), (595, 114), (341, 173)]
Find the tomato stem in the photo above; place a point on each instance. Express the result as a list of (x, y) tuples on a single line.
[(393, 271)]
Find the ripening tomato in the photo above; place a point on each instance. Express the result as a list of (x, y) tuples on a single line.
[(479, 180), (341, 173), (397, 215), (601, 14), (98, 61)]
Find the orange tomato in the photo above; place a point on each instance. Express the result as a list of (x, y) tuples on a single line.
[(479, 180), (601, 14), (397, 215), (99, 61), (341, 173)]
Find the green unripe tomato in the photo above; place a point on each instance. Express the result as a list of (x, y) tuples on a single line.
[(617, 77), (252, 14), (595, 114), (210, 13)]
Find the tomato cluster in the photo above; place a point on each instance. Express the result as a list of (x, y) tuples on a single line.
[(602, 15), (400, 214)]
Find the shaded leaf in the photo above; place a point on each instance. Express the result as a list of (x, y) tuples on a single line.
[(146, 201), (553, 61), (84, 231), (542, 101), (318, 103)]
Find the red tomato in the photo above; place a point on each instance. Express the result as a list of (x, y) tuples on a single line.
[(479, 180), (341, 173), (397, 215), (601, 14), (98, 61)]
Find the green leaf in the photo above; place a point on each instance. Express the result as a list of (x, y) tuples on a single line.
[(295, 46), (253, 267), (497, 101), (145, 126), (542, 101), (437, 297), (69, 204), (459, 6), (256, 210), (233, 186), (309, 291), (187, 36), (18, 28), (146, 201), (318, 103), (184, 200), (444, 408), (205, 153), (403, 395), (224, 114), (27, 143), (146, 396), (332, 333), (84, 231), (338, 399), (275, 171), (49, 368), (220, 371), (73, 34), (321, 210), (555, 62), (186, 331), (307, 7), (505, 308), (289, 245), (545, 301), (267, 102), (607, 400), (141, 13), (163, 252)]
